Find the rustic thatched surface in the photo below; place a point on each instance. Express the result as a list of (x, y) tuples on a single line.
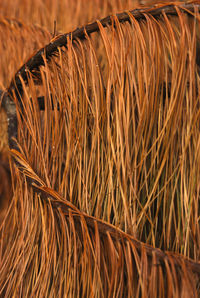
[(105, 170)]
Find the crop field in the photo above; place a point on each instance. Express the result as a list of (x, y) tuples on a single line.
[(99, 148)]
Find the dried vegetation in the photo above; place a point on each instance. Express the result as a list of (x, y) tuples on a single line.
[(105, 181)]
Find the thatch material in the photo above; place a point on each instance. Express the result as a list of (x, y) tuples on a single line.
[(81, 33), (78, 255), (116, 164)]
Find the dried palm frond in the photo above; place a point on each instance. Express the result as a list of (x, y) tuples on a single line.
[(119, 160), (81, 33), (78, 255)]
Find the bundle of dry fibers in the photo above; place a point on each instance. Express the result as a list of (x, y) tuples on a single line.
[(112, 161)]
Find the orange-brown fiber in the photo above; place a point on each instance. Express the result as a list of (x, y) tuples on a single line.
[(100, 197)]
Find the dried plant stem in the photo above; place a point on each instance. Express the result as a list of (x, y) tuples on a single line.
[(81, 33)]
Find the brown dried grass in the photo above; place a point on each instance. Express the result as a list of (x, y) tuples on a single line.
[(119, 160)]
